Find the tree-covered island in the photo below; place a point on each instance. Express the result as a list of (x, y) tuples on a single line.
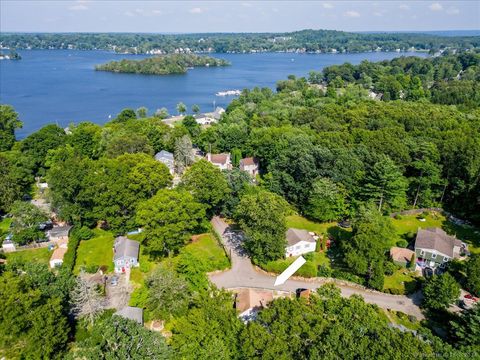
[(162, 65)]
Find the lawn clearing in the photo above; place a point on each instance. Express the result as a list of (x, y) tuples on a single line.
[(403, 281), (97, 251), (407, 226), (309, 269), (4, 226), (36, 256), (299, 222), (206, 248)]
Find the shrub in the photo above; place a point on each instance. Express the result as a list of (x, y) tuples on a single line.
[(309, 256), (84, 233), (389, 268), (339, 274), (402, 243), (398, 217), (71, 254), (324, 271), (91, 269)]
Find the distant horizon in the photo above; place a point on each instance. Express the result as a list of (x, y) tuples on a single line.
[(241, 16), (475, 31)]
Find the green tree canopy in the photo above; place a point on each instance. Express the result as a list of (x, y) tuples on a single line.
[(261, 216), (440, 291), (169, 219), (207, 185), (9, 121)]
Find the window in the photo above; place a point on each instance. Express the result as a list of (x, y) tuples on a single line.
[(434, 256), (297, 247), (422, 252), (306, 246), (445, 259)]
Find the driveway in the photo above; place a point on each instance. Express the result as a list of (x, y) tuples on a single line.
[(244, 274)]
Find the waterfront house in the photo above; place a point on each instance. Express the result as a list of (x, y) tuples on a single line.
[(300, 242), (166, 158), (222, 161), (434, 248), (125, 254), (249, 165)]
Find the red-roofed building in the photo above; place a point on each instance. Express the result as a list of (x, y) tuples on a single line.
[(249, 165)]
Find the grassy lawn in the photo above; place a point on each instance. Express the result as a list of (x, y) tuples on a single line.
[(96, 251), (309, 269), (4, 226), (401, 282), (299, 222), (400, 318), (207, 248), (408, 225), (37, 256)]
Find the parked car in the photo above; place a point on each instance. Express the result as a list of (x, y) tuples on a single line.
[(114, 280)]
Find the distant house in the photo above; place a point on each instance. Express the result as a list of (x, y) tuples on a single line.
[(132, 313), (57, 257), (300, 242), (434, 247), (209, 118), (8, 245), (222, 161), (249, 301), (401, 256), (249, 165), (166, 158), (217, 114), (125, 253), (58, 233)]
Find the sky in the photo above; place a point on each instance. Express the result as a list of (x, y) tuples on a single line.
[(235, 16)]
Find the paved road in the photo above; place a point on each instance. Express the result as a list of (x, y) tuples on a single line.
[(244, 274)]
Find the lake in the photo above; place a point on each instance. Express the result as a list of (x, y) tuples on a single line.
[(61, 86)]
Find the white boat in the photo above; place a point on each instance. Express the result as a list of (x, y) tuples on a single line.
[(229, 93)]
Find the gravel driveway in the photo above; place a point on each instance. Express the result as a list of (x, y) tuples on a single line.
[(244, 274)]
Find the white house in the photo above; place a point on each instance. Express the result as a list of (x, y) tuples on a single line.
[(249, 165), (166, 158), (8, 245), (57, 257), (125, 254), (222, 161), (300, 242)]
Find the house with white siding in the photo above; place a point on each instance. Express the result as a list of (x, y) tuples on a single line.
[(300, 242)]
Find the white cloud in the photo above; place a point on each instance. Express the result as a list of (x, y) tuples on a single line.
[(378, 13), (195, 11), (404, 7), (78, 7), (327, 6), (352, 14), (436, 7), (453, 11)]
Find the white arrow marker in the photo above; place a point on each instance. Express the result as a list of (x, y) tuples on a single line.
[(297, 264)]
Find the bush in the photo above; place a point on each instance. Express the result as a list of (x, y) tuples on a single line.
[(71, 254), (91, 269), (309, 256), (339, 274), (398, 217), (84, 233), (324, 271), (402, 243), (389, 268), (394, 291)]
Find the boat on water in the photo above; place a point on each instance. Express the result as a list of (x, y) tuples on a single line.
[(229, 93)]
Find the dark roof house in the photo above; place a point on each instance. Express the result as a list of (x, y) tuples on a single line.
[(58, 232), (124, 247), (294, 236), (438, 240)]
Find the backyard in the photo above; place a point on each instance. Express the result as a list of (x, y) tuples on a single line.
[(37, 256), (95, 252), (402, 281)]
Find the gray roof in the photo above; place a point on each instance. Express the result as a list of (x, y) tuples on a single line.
[(217, 114), (294, 236), (59, 231), (125, 247), (436, 239), (164, 155), (132, 313)]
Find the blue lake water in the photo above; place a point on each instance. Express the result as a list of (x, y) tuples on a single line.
[(61, 86)]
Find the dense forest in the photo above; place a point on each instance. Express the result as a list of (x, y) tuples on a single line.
[(327, 150), (161, 65), (304, 41), (448, 79)]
